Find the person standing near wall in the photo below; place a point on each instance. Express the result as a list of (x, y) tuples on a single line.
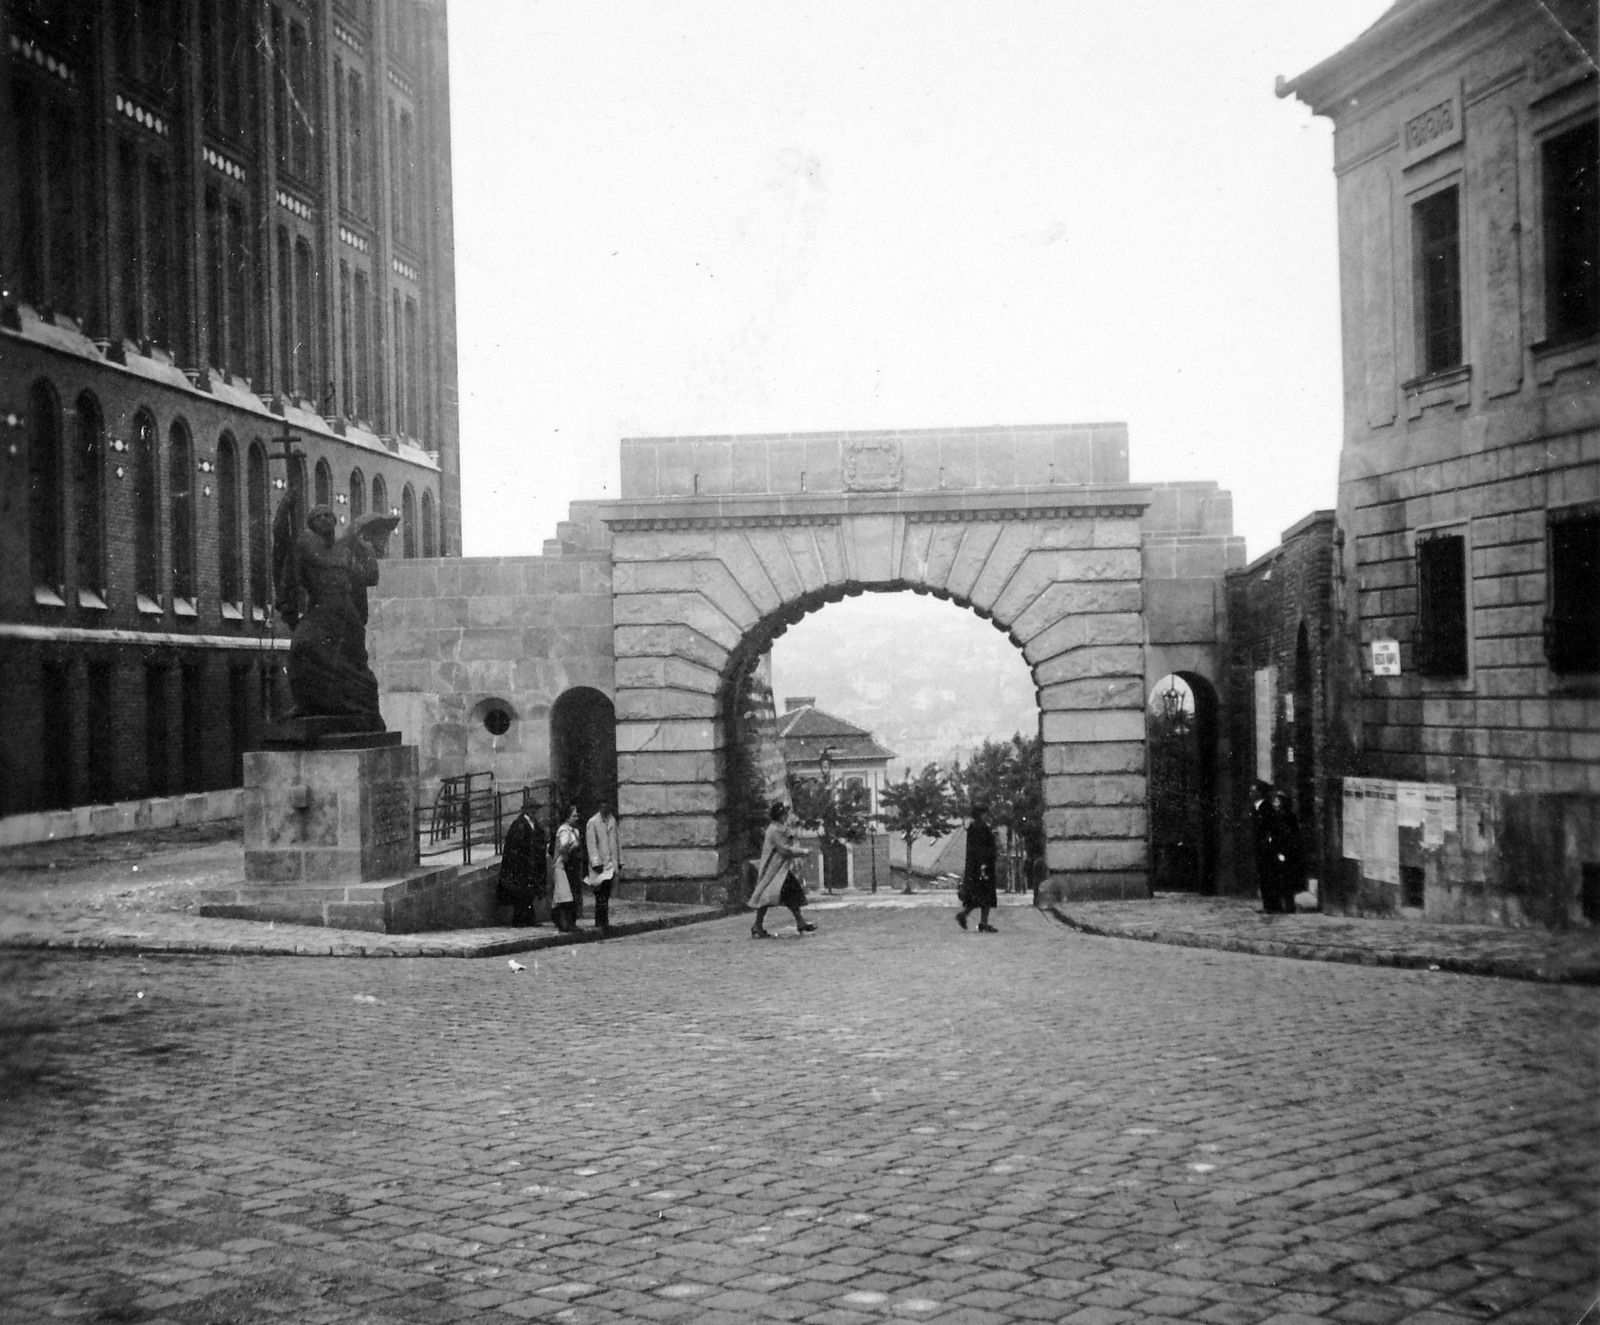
[(600, 836), (566, 872), (524, 883)]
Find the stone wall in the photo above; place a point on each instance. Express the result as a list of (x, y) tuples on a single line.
[(452, 639), (1465, 98)]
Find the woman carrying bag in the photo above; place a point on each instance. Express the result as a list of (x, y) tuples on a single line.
[(776, 883)]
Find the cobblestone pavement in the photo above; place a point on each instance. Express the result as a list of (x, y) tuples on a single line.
[(1236, 924), (887, 1120)]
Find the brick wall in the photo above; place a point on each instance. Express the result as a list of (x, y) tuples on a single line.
[(1271, 602)]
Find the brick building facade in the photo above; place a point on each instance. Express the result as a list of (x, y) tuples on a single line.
[(1465, 144), (230, 221), (1283, 650)]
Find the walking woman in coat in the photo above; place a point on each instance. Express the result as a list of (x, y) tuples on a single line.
[(977, 879), (567, 872), (775, 881)]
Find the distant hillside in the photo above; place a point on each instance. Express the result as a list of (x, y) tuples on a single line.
[(929, 679)]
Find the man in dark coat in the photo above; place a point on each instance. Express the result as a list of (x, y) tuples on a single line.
[(1262, 826), (977, 879), (523, 884), (1289, 855)]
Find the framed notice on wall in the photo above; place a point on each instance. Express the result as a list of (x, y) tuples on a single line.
[(1385, 657)]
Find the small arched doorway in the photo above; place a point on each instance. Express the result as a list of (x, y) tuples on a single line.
[(583, 750), (1181, 736)]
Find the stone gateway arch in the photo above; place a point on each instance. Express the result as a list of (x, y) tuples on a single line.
[(662, 600), (719, 544)]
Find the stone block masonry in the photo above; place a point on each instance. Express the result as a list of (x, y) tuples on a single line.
[(314, 817)]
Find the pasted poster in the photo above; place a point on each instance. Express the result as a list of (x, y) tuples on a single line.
[(1409, 800), (1266, 703), (1355, 823), (1438, 814), (1382, 859)]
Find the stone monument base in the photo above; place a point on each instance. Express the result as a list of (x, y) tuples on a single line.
[(330, 838), (452, 897), (320, 814)]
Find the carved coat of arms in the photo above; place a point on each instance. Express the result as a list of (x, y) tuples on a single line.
[(871, 464)]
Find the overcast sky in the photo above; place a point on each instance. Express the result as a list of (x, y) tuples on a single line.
[(734, 216)]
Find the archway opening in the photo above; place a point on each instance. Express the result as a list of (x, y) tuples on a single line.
[(864, 688), (583, 750), (1181, 738)]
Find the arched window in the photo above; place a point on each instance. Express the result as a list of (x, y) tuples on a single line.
[(180, 468), (408, 522), (324, 484), (229, 552), (146, 514), (358, 494), (380, 495), (89, 490), (46, 498), (256, 504), (428, 544)]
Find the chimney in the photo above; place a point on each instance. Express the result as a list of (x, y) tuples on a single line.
[(799, 702)]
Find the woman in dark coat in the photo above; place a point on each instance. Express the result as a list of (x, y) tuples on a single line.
[(977, 879), (524, 883), (1289, 864)]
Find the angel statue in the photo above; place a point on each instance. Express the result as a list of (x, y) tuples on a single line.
[(322, 585)]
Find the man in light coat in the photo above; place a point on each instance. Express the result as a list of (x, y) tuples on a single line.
[(600, 837)]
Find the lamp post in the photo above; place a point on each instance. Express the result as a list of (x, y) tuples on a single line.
[(825, 763)]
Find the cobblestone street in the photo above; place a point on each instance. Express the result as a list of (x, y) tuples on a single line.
[(889, 1119)]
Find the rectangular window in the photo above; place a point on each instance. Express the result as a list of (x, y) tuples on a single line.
[(300, 102), (239, 689), (356, 110), (55, 763), (1436, 242), (346, 342), (363, 349), (157, 772), (192, 679), (286, 383), (216, 281), (305, 370), (128, 238), (158, 253), (101, 734), (61, 256), (1572, 629), (1441, 636), (341, 136), (238, 290), (280, 91), (1572, 233)]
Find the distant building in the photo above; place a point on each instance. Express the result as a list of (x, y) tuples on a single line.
[(854, 757), (812, 739), (222, 220), (1468, 580)]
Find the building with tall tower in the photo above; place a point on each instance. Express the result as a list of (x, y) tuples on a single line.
[(225, 269)]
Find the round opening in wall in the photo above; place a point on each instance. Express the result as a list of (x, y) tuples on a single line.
[(497, 720)]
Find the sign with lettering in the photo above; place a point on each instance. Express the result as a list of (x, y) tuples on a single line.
[(391, 811), (1430, 121), (1385, 657)]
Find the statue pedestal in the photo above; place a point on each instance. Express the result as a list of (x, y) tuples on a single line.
[(329, 839), (330, 815)]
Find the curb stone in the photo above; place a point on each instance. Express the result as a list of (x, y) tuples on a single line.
[(379, 945), (1507, 969)]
